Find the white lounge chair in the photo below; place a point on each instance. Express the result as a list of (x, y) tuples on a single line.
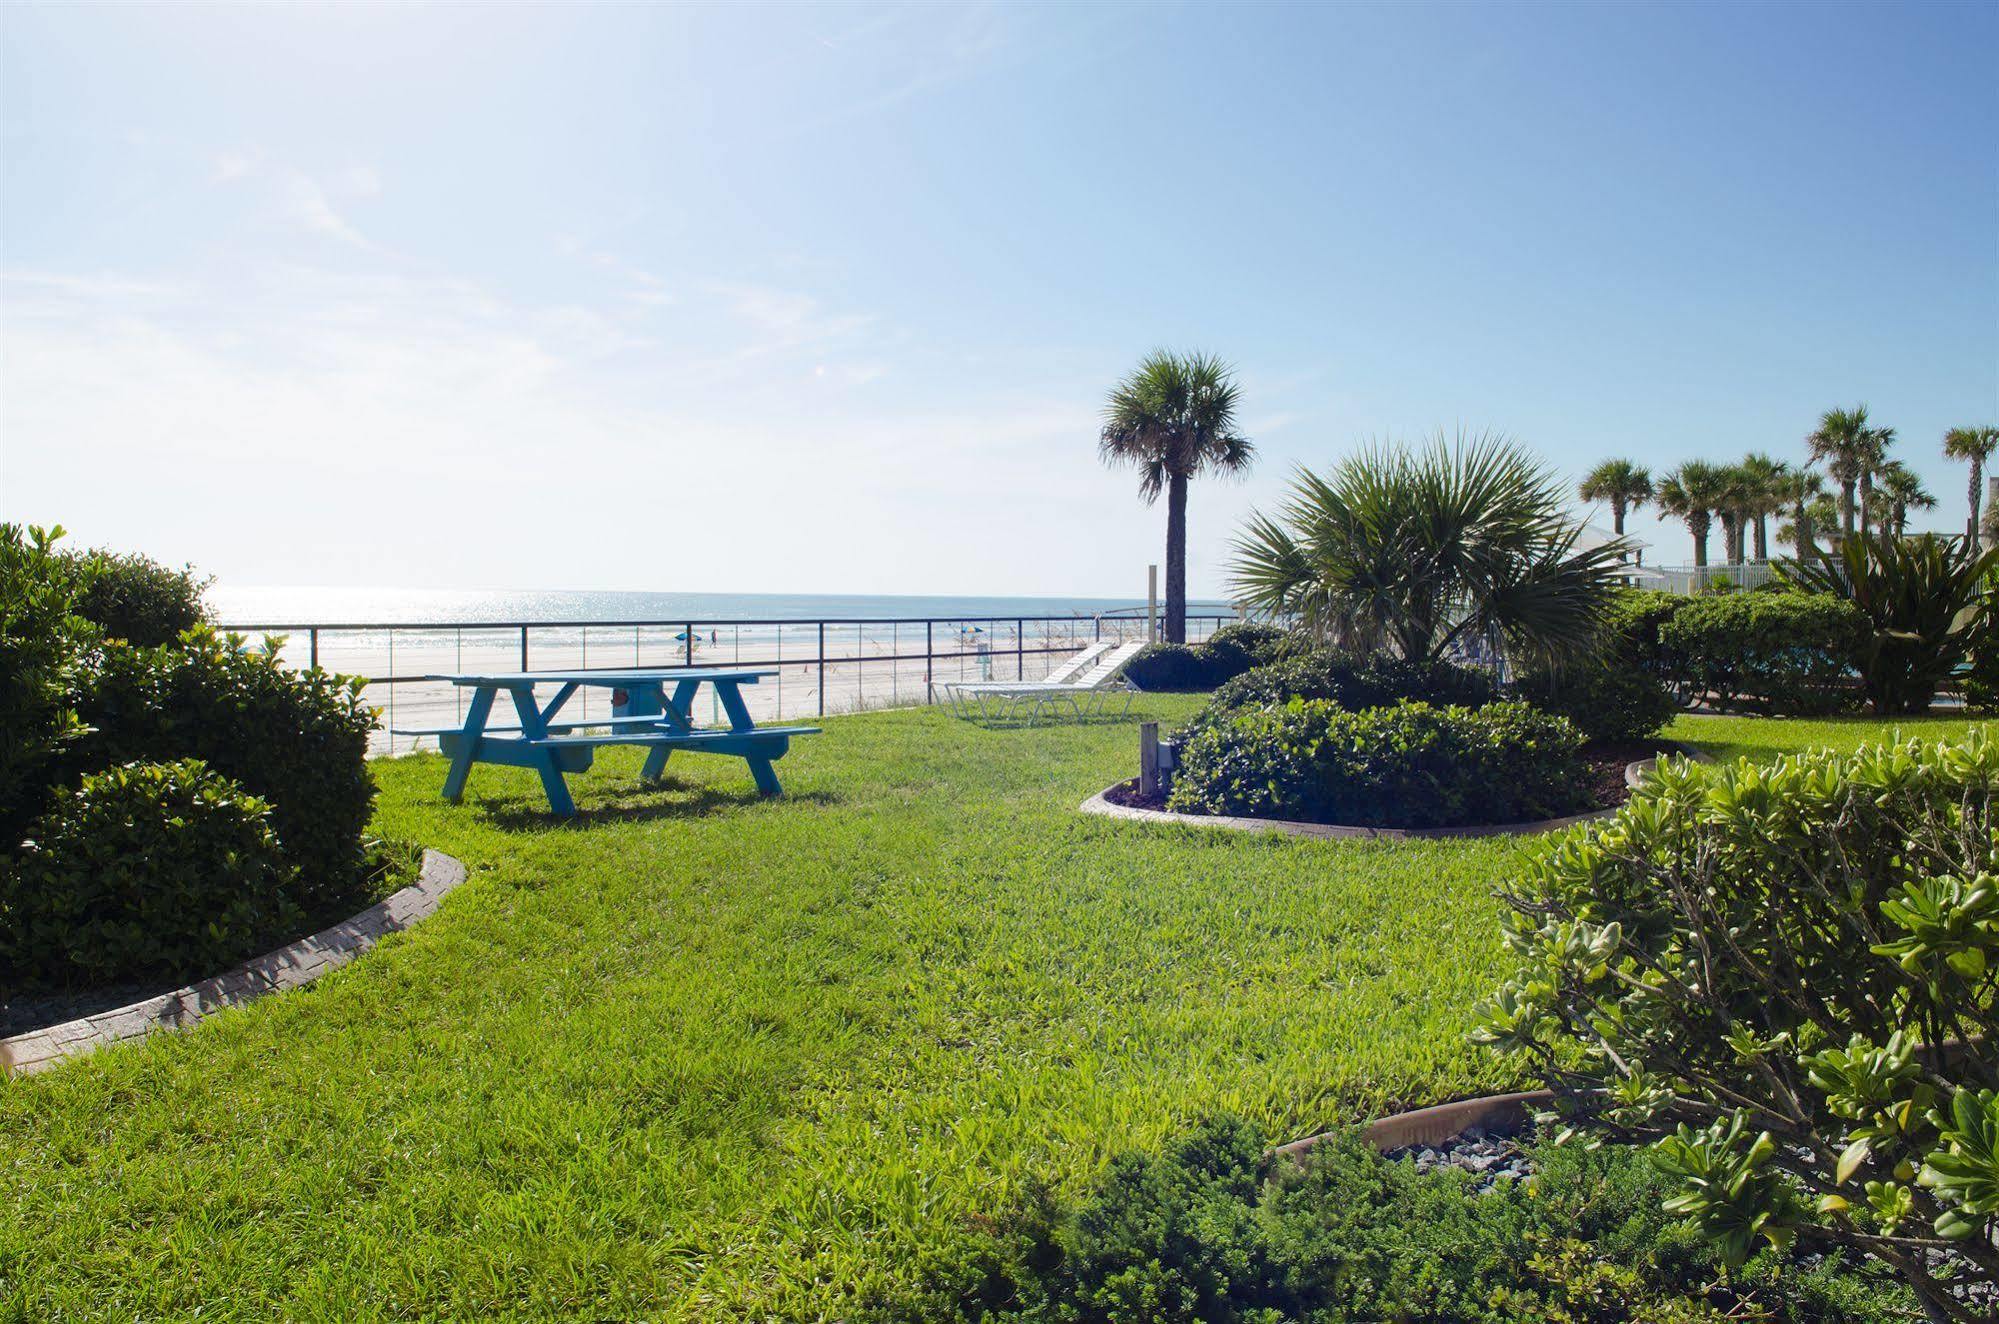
[(1091, 689), (967, 697)]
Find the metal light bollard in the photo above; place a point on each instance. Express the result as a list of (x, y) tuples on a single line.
[(1156, 760)]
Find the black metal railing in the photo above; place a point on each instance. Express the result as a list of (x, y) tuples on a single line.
[(824, 665)]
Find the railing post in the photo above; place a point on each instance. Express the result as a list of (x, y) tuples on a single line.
[(313, 635), (690, 643), (524, 648), (1020, 650), (822, 668), (929, 662)]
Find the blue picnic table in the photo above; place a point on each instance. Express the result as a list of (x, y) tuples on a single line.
[(645, 713)]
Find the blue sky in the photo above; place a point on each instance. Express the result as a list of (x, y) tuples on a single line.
[(827, 298)]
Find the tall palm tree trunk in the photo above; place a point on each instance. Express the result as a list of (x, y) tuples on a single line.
[(1801, 525), (1977, 490), (1866, 503), (1846, 508), (1762, 536), (1176, 559), (1699, 529), (1617, 511)]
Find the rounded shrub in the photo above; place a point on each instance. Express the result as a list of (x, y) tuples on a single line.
[(298, 739), (1609, 700), (1404, 765), (1779, 653), (1255, 642), (144, 871), (135, 598), (1349, 681), (1170, 668)]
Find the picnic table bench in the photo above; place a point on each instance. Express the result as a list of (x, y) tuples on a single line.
[(647, 715)]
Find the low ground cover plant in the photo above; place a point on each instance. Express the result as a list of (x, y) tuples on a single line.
[(1782, 980), (1213, 1229), (1402, 765)]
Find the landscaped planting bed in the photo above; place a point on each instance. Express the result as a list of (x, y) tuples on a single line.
[(700, 1056)]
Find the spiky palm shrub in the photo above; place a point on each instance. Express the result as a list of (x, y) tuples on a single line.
[(1408, 551), (1924, 602)]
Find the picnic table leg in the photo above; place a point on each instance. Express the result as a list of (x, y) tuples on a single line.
[(731, 694), (468, 743), (766, 776), (672, 714), (535, 727)]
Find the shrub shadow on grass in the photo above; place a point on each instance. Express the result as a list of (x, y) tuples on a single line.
[(635, 803)]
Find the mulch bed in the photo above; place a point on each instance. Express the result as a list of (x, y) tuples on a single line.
[(1605, 762)]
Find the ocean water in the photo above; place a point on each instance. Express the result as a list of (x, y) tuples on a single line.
[(303, 606)]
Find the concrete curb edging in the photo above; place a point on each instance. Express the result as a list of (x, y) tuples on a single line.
[(1502, 1114), (1633, 774), (290, 966)]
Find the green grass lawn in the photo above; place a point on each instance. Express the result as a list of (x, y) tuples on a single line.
[(696, 1055)]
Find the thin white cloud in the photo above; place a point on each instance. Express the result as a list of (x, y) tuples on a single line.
[(231, 166), (338, 427), (303, 201)]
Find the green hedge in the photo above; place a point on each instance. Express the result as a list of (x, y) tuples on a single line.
[(146, 871), (299, 739), (1778, 653), (1407, 765)]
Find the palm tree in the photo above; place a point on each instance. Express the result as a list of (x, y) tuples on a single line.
[(1877, 442), (1842, 444), (1173, 418), (1975, 445), (1408, 552), (1766, 484), (1693, 492), (1904, 491), (1803, 490), (1625, 485), (1732, 510)]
